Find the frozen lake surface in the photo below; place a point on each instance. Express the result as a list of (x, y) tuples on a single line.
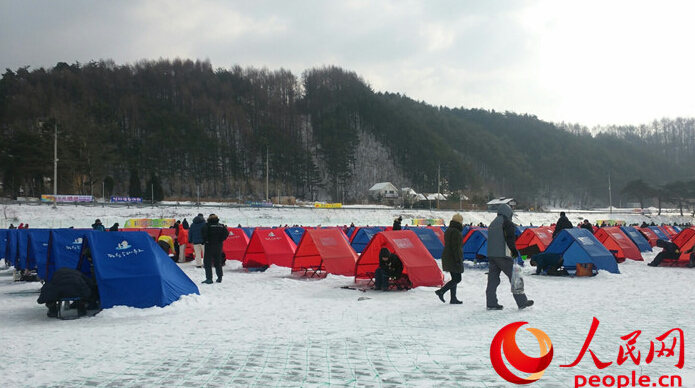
[(271, 329)]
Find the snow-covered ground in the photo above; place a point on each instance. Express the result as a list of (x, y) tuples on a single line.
[(271, 329), (44, 216)]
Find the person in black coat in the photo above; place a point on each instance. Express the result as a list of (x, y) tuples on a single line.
[(548, 262), (587, 225), (562, 223), (195, 237), (452, 258), (214, 235), (185, 224), (669, 251), (397, 223), (68, 283), (114, 227), (381, 277)]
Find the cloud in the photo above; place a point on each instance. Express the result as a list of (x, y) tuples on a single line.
[(591, 62)]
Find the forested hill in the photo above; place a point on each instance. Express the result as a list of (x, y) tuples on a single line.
[(326, 134)]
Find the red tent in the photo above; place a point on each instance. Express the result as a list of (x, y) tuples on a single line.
[(534, 240), (235, 245), (438, 231), (618, 243), (418, 263), (668, 229), (649, 235), (168, 232), (324, 250), (269, 246), (685, 241)]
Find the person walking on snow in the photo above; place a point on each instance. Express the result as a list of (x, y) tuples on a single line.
[(214, 235), (452, 258), (501, 247), (195, 237)]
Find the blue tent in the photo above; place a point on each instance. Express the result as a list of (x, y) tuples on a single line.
[(64, 247), (3, 243), (37, 250), (476, 245), (579, 246), (637, 238), (363, 236), (430, 241), (295, 234), (660, 233), (132, 270), (350, 231), (677, 229), (11, 248), (20, 259), (248, 231)]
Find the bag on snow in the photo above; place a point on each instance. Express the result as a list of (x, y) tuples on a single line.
[(517, 280)]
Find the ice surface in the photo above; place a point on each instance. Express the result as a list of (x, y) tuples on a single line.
[(270, 329)]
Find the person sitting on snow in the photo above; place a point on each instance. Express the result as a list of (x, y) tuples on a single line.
[(669, 251), (548, 262), (381, 274), (68, 283)]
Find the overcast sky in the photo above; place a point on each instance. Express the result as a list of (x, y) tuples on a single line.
[(590, 62)]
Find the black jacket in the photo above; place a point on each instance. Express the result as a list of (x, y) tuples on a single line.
[(397, 224), (452, 256), (669, 249), (562, 223), (66, 283), (395, 268), (587, 227), (214, 234)]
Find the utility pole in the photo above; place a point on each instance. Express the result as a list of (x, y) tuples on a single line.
[(439, 181), (610, 196), (103, 194), (267, 171), (198, 193), (152, 192), (55, 164)]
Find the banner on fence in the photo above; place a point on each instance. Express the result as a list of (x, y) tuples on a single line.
[(126, 199), (427, 221), (328, 205), (149, 222), (66, 198)]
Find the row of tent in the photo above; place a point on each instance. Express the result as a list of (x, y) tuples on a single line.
[(129, 267), (132, 270), (126, 262), (603, 248)]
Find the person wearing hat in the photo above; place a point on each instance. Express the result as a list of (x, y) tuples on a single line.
[(195, 237), (97, 225), (501, 248), (452, 258), (214, 235)]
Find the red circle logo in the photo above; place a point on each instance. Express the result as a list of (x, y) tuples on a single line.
[(505, 341)]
